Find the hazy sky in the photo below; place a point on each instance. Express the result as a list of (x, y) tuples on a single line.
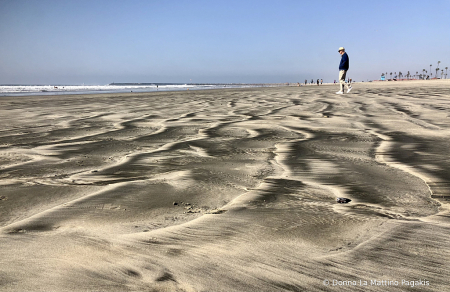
[(104, 41)]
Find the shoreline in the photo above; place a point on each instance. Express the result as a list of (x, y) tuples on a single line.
[(25, 90), (241, 86)]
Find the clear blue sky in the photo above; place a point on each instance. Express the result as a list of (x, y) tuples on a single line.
[(100, 41)]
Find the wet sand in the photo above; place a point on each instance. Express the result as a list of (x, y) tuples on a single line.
[(227, 190)]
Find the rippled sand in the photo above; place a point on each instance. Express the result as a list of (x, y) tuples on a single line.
[(227, 190)]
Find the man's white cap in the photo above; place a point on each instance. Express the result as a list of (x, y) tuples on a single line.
[(341, 49)]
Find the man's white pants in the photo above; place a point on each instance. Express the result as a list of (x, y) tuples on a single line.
[(342, 75)]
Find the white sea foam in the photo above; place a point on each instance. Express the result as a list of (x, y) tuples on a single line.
[(6, 90)]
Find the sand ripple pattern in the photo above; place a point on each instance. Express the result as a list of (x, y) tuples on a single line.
[(226, 190)]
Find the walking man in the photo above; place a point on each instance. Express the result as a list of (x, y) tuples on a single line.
[(343, 68)]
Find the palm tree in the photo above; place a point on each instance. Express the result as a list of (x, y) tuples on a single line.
[(430, 70), (446, 72), (423, 73), (442, 73), (417, 73), (438, 69), (391, 75), (407, 75)]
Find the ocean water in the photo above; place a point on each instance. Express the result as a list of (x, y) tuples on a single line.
[(17, 90)]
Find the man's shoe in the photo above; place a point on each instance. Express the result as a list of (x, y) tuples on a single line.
[(339, 92), (349, 89)]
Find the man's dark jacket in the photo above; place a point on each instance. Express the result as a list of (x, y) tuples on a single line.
[(345, 62)]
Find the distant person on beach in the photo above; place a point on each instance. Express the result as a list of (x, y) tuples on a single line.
[(321, 81), (312, 81), (306, 81), (317, 82), (343, 68)]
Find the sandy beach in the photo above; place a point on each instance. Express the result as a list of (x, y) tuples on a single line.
[(227, 190)]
